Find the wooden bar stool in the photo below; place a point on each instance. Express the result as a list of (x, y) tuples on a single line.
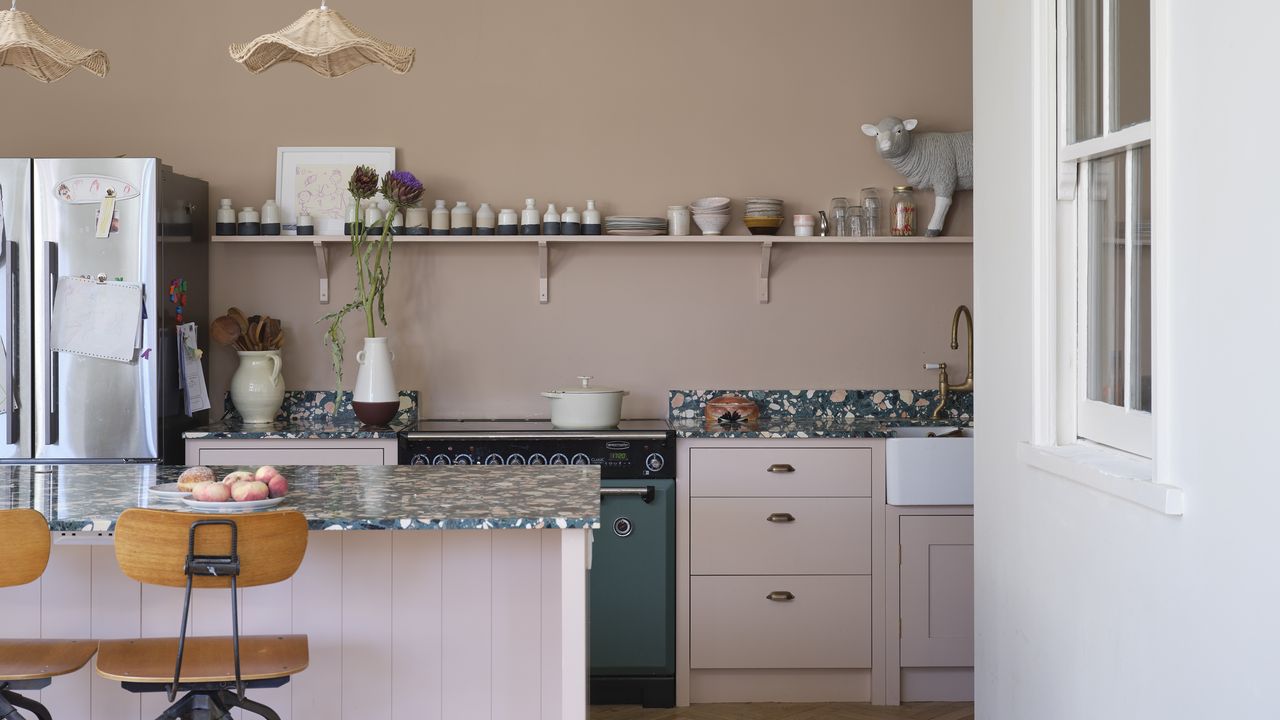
[(178, 549), (29, 664)]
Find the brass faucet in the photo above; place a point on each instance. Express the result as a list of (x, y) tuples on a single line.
[(945, 388)]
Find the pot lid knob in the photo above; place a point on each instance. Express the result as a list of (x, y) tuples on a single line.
[(586, 379)]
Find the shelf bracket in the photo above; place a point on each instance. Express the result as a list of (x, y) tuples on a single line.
[(766, 258), (543, 262), (322, 267)]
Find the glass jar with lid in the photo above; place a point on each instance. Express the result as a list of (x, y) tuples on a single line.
[(902, 214)]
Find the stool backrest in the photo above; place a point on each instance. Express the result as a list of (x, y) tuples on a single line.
[(25, 537), (151, 546)]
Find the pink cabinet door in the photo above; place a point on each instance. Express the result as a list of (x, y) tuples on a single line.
[(936, 585), (782, 621), (780, 471)]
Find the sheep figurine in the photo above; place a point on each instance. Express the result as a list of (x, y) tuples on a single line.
[(942, 162)]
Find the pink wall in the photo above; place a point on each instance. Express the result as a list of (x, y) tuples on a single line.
[(509, 100)]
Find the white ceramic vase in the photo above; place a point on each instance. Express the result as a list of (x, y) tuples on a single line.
[(257, 388), (375, 398)]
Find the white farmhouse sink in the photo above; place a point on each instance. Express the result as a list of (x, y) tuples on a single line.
[(923, 470)]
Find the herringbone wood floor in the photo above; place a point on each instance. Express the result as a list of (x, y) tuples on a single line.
[(790, 711)]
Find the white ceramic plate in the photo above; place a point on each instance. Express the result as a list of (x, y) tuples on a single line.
[(232, 507), (169, 491)]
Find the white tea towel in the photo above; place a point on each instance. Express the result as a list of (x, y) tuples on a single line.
[(97, 319)]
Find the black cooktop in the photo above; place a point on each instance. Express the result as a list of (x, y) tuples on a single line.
[(633, 449)]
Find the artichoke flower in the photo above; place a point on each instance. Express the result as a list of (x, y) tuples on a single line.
[(401, 188), (364, 183)]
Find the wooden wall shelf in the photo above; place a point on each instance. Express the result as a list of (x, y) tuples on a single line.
[(544, 242)]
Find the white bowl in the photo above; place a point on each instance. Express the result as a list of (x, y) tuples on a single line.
[(710, 204), (711, 224)]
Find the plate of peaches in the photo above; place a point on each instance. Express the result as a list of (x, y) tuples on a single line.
[(239, 491)]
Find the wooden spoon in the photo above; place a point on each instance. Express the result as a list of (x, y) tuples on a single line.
[(237, 314), (225, 331)]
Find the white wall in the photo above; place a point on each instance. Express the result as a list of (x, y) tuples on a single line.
[(1088, 606)]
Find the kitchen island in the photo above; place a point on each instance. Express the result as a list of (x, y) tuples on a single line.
[(426, 592)]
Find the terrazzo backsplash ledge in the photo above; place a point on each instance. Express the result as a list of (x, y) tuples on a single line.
[(829, 404)]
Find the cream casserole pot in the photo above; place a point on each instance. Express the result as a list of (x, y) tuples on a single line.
[(586, 407)]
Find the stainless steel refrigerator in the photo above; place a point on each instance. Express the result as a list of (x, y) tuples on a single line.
[(66, 407)]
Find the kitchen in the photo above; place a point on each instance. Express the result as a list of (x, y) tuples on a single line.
[(640, 107)]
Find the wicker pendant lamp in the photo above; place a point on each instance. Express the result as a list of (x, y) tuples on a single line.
[(324, 41), (26, 45)]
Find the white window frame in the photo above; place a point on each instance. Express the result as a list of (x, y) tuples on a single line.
[(1056, 445), (1116, 426)]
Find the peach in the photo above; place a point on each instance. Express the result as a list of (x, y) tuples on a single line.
[(211, 492), (195, 475), (249, 491), (265, 473), (278, 486), (237, 476)]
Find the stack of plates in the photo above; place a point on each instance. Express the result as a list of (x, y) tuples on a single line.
[(763, 215), (635, 226)]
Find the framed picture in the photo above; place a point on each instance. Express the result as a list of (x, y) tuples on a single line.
[(313, 180)]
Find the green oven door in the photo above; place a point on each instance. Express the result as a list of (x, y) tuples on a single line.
[(633, 594)]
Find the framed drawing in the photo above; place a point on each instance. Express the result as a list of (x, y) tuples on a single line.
[(313, 180)]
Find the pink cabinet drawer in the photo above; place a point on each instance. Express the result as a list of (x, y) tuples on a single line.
[(780, 472), (826, 623), (780, 536)]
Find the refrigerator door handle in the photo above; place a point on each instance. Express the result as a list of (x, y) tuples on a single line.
[(51, 357), (11, 333)]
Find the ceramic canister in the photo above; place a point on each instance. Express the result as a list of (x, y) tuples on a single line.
[(417, 221), (551, 221), (571, 221), (461, 219), (508, 222), (352, 223), (397, 223), (226, 222), (249, 222), (678, 220), (486, 220), (591, 220), (440, 219), (305, 225), (373, 219), (270, 218), (530, 221)]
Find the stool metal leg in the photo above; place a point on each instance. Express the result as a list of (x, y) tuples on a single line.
[(9, 700), (257, 708)]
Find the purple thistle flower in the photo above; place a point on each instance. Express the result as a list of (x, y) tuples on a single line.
[(401, 188), (364, 183)]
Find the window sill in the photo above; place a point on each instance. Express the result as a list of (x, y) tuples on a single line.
[(1114, 473)]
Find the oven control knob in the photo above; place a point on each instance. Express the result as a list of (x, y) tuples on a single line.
[(493, 459), (537, 459), (655, 462), (559, 459), (581, 459), (420, 460), (515, 459), (622, 527), (441, 460), (462, 460)]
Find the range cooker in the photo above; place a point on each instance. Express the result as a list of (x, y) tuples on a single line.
[(632, 583)]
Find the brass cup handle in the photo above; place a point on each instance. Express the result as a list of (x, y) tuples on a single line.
[(781, 518), (780, 596), (781, 468)]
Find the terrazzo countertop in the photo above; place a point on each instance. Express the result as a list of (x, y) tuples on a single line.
[(300, 429), (310, 415), (89, 498), (807, 427)]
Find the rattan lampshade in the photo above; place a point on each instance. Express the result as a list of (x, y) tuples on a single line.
[(26, 45), (324, 41)]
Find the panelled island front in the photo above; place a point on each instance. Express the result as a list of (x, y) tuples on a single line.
[(425, 592)]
